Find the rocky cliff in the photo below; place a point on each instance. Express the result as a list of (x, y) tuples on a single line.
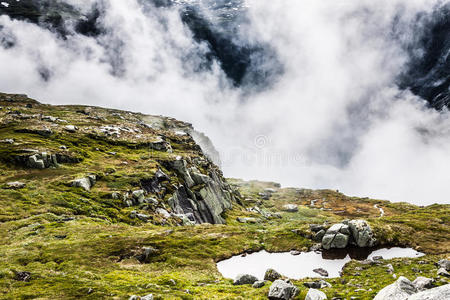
[(149, 167)]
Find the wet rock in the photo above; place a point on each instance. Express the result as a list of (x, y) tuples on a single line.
[(15, 185), (271, 275), (259, 284), (282, 290), (423, 283), (443, 272), (245, 279), (314, 294), (321, 272), (400, 290), (438, 293), (290, 208)]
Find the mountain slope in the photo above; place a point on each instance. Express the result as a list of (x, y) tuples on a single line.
[(101, 204)]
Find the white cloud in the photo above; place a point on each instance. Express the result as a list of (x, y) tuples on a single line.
[(334, 119)]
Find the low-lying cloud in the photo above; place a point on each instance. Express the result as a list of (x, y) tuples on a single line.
[(331, 117)]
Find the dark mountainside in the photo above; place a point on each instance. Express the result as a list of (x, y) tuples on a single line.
[(245, 64)]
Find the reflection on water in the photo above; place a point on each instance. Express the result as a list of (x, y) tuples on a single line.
[(301, 266)]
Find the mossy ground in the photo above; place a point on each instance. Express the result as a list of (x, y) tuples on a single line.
[(79, 244)]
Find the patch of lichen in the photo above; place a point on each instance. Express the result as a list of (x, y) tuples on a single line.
[(79, 244)]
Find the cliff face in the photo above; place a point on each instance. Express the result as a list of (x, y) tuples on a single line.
[(147, 168)]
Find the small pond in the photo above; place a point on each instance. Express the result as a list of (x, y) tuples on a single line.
[(302, 265)]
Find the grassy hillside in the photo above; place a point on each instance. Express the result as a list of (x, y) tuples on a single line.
[(90, 243)]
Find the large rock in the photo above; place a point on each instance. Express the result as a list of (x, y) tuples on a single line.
[(282, 290), (245, 279), (314, 294), (356, 232), (439, 293), (362, 233), (399, 290), (86, 183)]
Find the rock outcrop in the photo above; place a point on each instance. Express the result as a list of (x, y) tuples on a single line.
[(354, 232), (202, 198), (245, 279)]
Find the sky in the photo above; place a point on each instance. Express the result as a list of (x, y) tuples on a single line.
[(328, 115)]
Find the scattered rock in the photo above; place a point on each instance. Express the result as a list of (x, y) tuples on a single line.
[(163, 212), (282, 290), (295, 252), (247, 220), (290, 208), (146, 254), (317, 284), (390, 268), (245, 279), (444, 263), (314, 294), (86, 183), (443, 272), (71, 128), (271, 275), (259, 284), (321, 272), (400, 290), (423, 283), (378, 257), (23, 276), (15, 185)]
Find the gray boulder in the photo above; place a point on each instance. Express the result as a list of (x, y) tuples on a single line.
[(245, 279), (423, 283), (86, 183), (444, 263), (71, 128), (282, 290), (138, 196), (399, 290), (362, 233), (314, 294), (438, 293)]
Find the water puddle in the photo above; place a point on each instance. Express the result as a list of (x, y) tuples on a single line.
[(302, 265)]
